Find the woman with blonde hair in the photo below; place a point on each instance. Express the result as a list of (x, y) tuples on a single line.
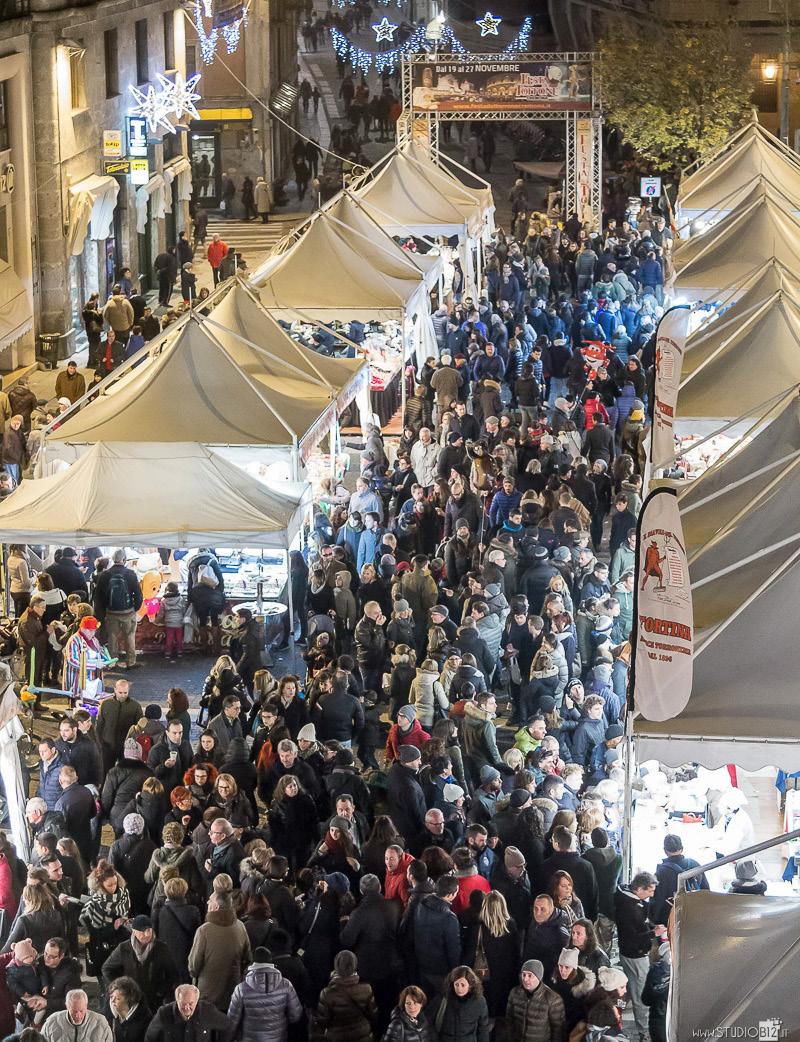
[(492, 947), (222, 680), (230, 801)]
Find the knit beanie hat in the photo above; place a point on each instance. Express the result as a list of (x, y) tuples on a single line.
[(535, 967), (514, 858), (131, 750), (307, 733), (569, 957), (409, 712), (409, 753), (611, 978), (452, 792)]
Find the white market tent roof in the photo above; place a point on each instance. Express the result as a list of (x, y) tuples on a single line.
[(738, 479), (734, 965), (736, 302), (760, 229), (736, 365), (719, 186), (408, 193), (332, 272), (122, 493), (744, 706), (248, 383)]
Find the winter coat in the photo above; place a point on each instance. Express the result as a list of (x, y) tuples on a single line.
[(59, 1028), (633, 924), (456, 1019), (346, 1012), (371, 934), (583, 878), (338, 716), (263, 1005), (426, 694), (403, 1029), (49, 790), (370, 644), (545, 940), (220, 952), (534, 1016), (206, 1024), (346, 604), (293, 827), (468, 508), (655, 994), (114, 721), (175, 923), (573, 992), (419, 589), (490, 630), (470, 641), (437, 940), (157, 976), (406, 800), (503, 956), (607, 865), (121, 785), (414, 735), (479, 742), (130, 855)]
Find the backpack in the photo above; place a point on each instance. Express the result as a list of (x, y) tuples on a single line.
[(206, 576), (119, 596)]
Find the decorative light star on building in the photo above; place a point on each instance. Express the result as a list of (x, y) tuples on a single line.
[(150, 104), (180, 95), (488, 24), (384, 30)]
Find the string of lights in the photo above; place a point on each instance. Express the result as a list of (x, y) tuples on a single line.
[(387, 60), (231, 33)]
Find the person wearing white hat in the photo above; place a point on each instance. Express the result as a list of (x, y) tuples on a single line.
[(574, 984), (734, 830)]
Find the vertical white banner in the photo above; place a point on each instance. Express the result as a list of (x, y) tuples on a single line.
[(584, 129), (673, 330), (664, 622)]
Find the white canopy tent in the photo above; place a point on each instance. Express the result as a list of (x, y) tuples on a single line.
[(123, 493), (761, 229), (717, 187), (734, 967)]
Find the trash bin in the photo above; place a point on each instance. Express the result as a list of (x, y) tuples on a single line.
[(48, 349)]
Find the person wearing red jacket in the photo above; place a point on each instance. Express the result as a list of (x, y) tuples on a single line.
[(469, 879), (216, 253), (407, 731), (396, 883)]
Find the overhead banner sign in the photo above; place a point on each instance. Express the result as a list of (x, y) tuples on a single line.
[(663, 615), (673, 329), (584, 149), (501, 86)]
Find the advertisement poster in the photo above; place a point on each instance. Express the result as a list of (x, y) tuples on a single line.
[(496, 86), (583, 168), (673, 329), (664, 621)]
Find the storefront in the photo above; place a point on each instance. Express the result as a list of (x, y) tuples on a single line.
[(222, 140)]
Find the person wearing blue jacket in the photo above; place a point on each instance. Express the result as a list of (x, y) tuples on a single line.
[(488, 365), (50, 763), (503, 502), (437, 938), (370, 540)]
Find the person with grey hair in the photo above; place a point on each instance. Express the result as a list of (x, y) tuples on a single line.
[(77, 1023), (117, 597), (226, 854), (130, 855), (220, 952), (41, 819), (189, 1019), (371, 934)]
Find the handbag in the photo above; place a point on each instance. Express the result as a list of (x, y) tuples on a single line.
[(514, 674), (481, 963)]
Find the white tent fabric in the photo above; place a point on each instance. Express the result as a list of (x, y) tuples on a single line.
[(16, 310), (120, 493), (736, 302), (718, 187), (718, 367), (92, 203), (734, 967), (760, 229), (182, 169), (154, 192), (744, 707)]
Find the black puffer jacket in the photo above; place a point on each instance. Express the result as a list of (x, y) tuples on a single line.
[(130, 855), (457, 1019), (346, 1012), (122, 783)]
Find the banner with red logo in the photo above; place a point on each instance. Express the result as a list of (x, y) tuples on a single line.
[(661, 679), (671, 335)]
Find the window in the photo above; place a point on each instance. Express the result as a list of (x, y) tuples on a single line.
[(169, 39), (765, 96), (142, 62), (191, 60), (77, 76), (112, 62), (4, 137)]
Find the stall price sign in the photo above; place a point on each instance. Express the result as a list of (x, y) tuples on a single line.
[(651, 188)]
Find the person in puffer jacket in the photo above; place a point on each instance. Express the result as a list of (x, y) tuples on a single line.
[(264, 1004), (427, 693), (489, 627)]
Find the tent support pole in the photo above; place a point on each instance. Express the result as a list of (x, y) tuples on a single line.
[(291, 606), (403, 372), (295, 459), (627, 813)]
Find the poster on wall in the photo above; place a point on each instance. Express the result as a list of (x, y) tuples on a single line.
[(663, 629), (673, 329), (501, 86)]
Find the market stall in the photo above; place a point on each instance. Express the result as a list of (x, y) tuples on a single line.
[(232, 379), (760, 229), (717, 188)]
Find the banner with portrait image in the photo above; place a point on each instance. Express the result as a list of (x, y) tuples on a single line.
[(673, 329)]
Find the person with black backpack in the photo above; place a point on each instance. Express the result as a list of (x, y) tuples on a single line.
[(667, 875), (117, 598)]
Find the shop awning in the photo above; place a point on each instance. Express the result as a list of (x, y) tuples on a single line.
[(16, 310), (182, 169), (92, 203), (734, 967), (154, 192), (184, 497)]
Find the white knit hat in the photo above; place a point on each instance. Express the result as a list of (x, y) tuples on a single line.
[(611, 978), (307, 733)]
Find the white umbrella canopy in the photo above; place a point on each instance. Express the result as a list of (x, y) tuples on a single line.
[(121, 493)]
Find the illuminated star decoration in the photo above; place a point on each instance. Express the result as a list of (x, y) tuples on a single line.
[(150, 104), (488, 24), (180, 95), (384, 30)]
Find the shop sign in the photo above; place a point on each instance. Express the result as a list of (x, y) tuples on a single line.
[(663, 624), (137, 136), (140, 171), (112, 144), (117, 167)]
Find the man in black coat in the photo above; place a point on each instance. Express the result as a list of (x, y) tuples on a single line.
[(289, 762), (433, 835), (404, 792), (78, 806), (226, 853), (567, 859), (80, 752), (547, 934), (145, 959), (371, 934), (189, 1019), (345, 778), (437, 938), (58, 972), (338, 716), (171, 757), (66, 574), (535, 580), (510, 878), (470, 642)]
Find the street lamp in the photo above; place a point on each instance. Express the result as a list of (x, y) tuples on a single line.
[(769, 71)]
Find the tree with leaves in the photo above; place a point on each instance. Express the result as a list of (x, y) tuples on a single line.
[(675, 94)]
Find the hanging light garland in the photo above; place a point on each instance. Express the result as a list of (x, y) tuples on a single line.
[(387, 61), (230, 33)]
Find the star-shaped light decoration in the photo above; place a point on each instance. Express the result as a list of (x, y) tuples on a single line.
[(384, 30), (488, 24), (179, 94), (150, 103)]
